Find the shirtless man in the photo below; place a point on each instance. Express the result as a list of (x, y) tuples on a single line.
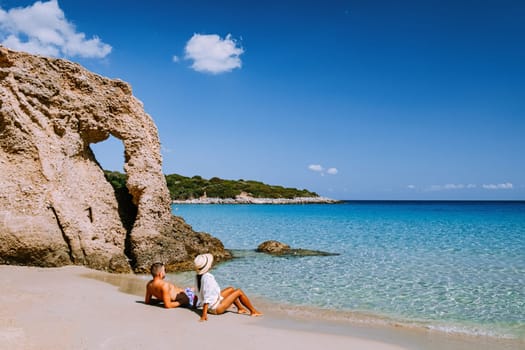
[(171, 295)]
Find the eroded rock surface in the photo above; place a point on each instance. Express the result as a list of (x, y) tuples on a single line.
[(56, 208)]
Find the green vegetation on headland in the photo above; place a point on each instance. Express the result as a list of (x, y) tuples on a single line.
[(116, 179), (185, 188)]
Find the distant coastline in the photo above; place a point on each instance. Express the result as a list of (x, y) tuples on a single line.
[(252, 200), (197, 190)]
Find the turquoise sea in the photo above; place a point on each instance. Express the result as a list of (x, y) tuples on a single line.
[(451, 266)]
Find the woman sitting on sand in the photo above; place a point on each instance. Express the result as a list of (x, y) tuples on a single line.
[(215, 301)]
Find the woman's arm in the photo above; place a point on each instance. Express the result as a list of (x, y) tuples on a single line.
[(204, 316)]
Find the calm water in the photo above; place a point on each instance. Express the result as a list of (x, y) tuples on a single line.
[(454, 266)]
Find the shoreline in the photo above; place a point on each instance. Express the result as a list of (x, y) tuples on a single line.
[(344, 321), (91, 309), (335, 321), (252, 200), (73, 307), (97, 310)]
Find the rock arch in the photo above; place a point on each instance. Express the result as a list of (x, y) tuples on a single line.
[(55, 206)]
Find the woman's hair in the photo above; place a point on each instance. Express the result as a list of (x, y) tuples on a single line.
[(199, 282), (156, 268)]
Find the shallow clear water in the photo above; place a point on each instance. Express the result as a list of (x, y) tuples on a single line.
[(454, 266)]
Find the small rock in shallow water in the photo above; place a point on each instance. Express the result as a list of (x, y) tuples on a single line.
[(279, 248), (273, 247)]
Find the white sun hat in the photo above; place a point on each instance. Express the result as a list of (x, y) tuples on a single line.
[(203, 263)]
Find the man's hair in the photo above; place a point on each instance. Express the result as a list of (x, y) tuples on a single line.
[(156, 268)]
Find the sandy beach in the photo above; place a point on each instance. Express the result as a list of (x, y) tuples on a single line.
[(77, 308)]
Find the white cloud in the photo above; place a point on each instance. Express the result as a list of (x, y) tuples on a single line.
[(502, 186), (332, 171), (320, 169), (316, 167), (34, 46), (454, 186), (411, 187), (175, 58), (42, 28), (447, 187), (212, 54)]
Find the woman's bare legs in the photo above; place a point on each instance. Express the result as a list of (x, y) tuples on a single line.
[(233, 296), (240, 308)]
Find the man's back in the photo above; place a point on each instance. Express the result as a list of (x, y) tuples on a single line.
[(171, 295), (168, 293), (158, 287)]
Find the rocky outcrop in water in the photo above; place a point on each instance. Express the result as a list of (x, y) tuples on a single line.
[(282, 249), (56, 208), (273, 247)]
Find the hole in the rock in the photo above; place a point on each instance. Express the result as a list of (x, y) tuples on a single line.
[(110, 156)]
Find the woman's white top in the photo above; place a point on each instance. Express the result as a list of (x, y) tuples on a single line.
[(210, 292)]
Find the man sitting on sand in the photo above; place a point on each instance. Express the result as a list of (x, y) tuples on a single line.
[(171, 295)]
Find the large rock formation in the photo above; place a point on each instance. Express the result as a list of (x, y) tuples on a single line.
[(56, 208)]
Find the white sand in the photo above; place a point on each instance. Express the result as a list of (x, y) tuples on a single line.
[(60, 308)]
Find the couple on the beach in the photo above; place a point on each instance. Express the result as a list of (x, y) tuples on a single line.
[(209, 294)]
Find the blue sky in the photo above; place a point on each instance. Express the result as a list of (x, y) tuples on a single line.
[(351, 99)]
